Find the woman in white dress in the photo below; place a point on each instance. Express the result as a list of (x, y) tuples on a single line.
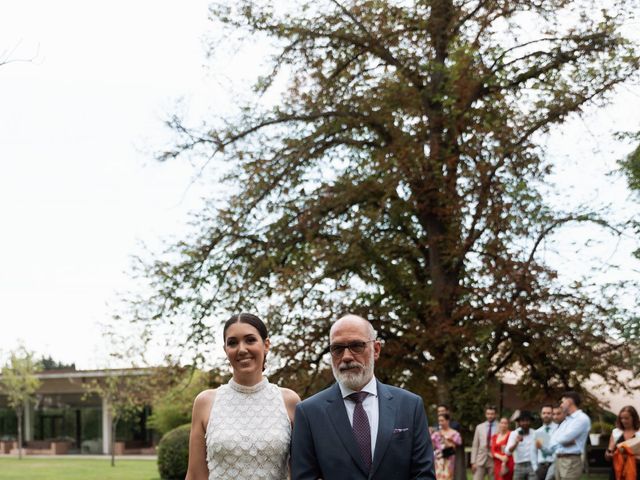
[(242, 430)]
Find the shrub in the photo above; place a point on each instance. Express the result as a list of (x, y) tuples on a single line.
[(173, 453), (173, 408), (603, 428)]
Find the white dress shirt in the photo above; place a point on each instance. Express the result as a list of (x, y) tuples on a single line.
[(370, 405), (525, 450)]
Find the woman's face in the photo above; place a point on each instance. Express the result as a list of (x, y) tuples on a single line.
[(626, 420), (503, 425), (245, 348), (443, 423)]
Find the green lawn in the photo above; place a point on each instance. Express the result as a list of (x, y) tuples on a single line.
[(59, 468)]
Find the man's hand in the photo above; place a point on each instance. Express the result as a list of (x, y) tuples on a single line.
[(473, 467)]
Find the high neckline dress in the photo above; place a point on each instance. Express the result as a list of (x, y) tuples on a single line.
[(248, 433)]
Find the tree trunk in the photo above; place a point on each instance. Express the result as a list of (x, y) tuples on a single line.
[(113, 442), (19, 414)]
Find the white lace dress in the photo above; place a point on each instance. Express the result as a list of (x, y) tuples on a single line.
[(248, 433)]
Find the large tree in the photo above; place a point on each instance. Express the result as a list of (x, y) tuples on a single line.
[(400, 176)]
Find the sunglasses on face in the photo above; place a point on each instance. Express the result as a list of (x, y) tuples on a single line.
[(337, 349)]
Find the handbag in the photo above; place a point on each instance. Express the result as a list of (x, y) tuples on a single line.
[(448, 452)]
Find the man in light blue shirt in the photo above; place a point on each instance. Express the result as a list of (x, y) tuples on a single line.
[(569, 440)]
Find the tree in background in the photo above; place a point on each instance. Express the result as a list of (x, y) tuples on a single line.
[(48, 363), (401, 177), (19, 384), (127, 392), (630, 166)]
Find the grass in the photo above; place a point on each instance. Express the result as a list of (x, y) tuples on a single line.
[(59, 468)]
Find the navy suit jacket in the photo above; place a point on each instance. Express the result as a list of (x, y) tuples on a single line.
[(323, 445)]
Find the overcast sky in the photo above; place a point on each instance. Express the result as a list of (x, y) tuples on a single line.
[(78, 184), (79, 188)]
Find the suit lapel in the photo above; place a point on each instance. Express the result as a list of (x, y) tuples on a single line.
[(337, 413), (386, 424)]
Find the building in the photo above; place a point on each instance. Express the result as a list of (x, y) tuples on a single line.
[(63, 412)]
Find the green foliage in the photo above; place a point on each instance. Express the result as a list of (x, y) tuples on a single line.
[(399, 177), (48, 363), (126, 391), (173, 453), (19, 381), (631, 167), (173, 408), (603, 428)]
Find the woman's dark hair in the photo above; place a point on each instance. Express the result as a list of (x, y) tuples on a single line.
[(634, 417), (252, 320), (446, 416)]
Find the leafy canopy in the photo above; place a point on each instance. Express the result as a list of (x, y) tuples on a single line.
[(400, 176), (19, 380)]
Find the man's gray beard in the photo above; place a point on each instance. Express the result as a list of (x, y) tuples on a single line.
[(357, 379)]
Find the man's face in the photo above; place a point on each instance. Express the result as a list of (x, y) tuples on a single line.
[(565, 404), (490, 414), (524, 424), (546, 414), (442, 410), (353, 370), (558, 415)]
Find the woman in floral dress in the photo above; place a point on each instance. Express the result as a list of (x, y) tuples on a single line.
[(445, 440)]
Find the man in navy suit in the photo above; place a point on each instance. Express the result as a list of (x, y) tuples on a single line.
[(360, 428)]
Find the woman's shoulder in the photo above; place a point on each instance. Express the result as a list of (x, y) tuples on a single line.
[(290, 397), (205, 398), (616, 432)]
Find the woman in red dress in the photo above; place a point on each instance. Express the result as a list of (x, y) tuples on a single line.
[(502, 463)]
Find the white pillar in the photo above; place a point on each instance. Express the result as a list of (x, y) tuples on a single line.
[(28, 421), (106, 427)]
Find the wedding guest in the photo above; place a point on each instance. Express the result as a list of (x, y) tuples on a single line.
[(445, 440), (569, 440), (502, 462), (627, 427), (521, 445), (481, 460), (543, 437)]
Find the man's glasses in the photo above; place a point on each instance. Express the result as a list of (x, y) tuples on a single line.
[(337, 349)]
